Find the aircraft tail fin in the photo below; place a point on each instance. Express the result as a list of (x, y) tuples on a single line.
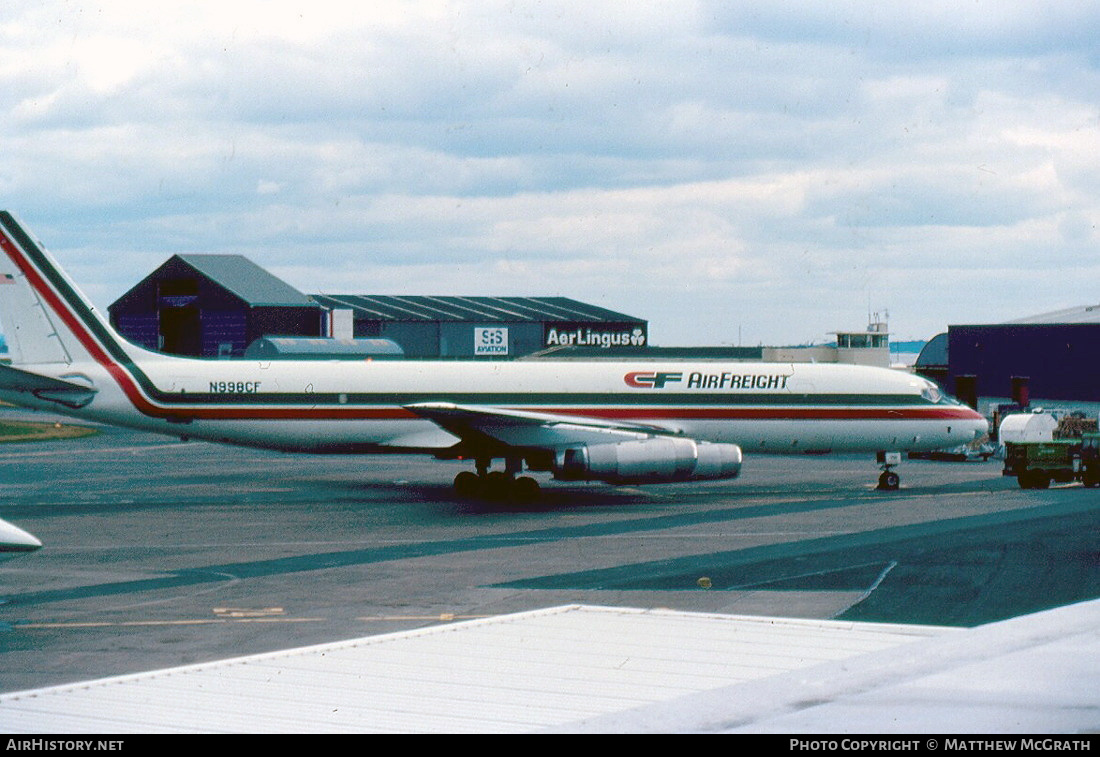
[(43, 316)]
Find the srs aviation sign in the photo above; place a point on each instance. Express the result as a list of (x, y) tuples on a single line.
[(491, 340)]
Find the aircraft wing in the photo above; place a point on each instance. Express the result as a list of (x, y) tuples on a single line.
[(491, 426), (68, 393)]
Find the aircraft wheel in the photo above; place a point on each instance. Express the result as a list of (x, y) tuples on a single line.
[(1034, 480), (496, 486), (467, 484), (525, 490), (889, 481)]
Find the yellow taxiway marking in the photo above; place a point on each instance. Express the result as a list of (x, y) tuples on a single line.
[(243, 615), (192, 622), (244, 612)]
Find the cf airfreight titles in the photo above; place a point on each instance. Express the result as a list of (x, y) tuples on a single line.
[(737, 381), (698, 380)]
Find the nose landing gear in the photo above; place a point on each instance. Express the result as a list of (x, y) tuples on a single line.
[(888, 480)]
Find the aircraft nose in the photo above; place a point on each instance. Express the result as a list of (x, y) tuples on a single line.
[(979, 423), (15, 541)]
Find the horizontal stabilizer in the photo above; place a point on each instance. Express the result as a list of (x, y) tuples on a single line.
[(64, 392)]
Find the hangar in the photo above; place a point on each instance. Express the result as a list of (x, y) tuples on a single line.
[(1052, 357), (211, 306), (218, 305), (486, 326)]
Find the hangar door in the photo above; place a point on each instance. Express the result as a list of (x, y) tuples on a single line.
[(178, 327), (185, 328)]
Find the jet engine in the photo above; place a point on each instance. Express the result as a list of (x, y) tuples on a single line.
[(654, 461)]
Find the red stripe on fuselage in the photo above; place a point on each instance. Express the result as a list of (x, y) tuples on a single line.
[(604, 413)]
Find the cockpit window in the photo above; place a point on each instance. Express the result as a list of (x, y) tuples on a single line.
[(932, 392)]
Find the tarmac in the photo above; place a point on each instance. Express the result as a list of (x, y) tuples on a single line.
[(160, 553)]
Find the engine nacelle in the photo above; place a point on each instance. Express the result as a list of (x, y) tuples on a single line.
[(658, 460)]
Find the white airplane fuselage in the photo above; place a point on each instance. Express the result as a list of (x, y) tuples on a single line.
[(334, 406)]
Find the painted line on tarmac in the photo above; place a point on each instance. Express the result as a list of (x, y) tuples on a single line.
[(442, 617), (152, 623), (105, 452), (415, 550), (955, 571), (876, 545)]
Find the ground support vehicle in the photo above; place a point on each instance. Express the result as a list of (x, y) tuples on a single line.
[(1036, 464)]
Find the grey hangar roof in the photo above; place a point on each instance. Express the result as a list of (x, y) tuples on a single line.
[(467, 309), (245, 279), (1079, 314)]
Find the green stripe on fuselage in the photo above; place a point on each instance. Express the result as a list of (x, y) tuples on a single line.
[(564, 399)]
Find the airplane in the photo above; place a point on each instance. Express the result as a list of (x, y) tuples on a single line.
[(619, 422), (15, 542)]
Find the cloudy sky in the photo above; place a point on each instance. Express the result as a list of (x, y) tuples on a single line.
[(753, 172)]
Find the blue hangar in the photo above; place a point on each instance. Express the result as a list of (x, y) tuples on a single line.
[(1052, 357)]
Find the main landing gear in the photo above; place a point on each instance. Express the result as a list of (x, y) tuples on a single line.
[(888, 480), (497, 486)]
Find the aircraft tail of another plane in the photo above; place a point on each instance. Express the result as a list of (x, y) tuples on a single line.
[(45, 319)]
